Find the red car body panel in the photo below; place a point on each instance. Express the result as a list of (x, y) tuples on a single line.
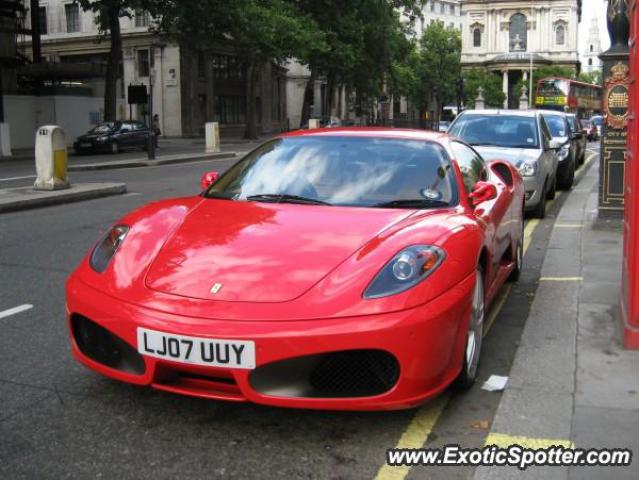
[(293, 277)]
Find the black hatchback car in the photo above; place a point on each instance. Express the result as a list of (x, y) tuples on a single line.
[(113, 137)]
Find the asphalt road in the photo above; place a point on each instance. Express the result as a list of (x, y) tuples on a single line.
[(59, 420)]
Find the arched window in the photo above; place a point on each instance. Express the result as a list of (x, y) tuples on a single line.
[(590, 61), (518, 32), (592, 48), (560, 35), (477, 37)]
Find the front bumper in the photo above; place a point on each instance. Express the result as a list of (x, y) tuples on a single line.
[(426, 343), (534, 187)]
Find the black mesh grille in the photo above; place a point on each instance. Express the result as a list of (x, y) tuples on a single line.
[(103, 347), (355, 373)]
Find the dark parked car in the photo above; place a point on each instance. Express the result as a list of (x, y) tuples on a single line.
[(567, 148), (113, 137), (578, 136)]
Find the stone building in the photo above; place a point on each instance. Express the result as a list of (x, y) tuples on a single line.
[(503, 36), (190, 88)]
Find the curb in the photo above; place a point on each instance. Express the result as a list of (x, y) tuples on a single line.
[(38, 199), (118, 164), (543, 369)]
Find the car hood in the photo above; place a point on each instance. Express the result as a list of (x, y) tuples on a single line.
[(513, 155), (261, 252)]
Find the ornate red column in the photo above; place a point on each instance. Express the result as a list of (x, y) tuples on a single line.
[(630, 279)]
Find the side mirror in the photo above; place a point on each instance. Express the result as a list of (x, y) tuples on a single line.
[(208, 179), (483, 192), (555, 144)]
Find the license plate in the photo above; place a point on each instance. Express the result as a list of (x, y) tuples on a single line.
[(85, 145), (197, 350)]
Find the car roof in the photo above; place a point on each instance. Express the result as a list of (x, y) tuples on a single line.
[(553, 112), (369, 132), (504, 111)]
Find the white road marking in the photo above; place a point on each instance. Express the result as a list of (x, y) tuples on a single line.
[(14, 310), (8, 179)]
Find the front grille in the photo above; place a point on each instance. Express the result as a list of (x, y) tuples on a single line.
[(355, 373), (103, 347), (343, 374)]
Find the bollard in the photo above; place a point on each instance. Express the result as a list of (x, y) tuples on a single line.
[(314, 123), (51, 159), (212, 134), (5, 140)]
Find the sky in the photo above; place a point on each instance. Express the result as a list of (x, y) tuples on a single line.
[(598, 9)]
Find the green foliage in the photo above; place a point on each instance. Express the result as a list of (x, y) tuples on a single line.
[(430, 72), (490, 83), (591, 77)]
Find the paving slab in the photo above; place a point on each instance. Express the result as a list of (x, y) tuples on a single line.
[(20, 198)]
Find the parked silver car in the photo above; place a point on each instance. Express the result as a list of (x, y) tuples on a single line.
[(520, 137)]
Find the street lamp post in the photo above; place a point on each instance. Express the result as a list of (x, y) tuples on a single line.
[(150, 150), (530, 80)]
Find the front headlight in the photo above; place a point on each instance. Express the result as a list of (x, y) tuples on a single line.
[(106, 248), (405, 270), (528, 169), (563, 152)]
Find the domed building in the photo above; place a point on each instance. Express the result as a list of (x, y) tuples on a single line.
[(503, 36)]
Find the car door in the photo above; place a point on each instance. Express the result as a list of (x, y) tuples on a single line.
[(549, 160), (141, 134), (496, 214), (125, 135)]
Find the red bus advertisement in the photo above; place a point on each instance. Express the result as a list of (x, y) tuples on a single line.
[(557, 93)]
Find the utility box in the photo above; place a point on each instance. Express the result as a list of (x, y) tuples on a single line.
[(212, 134), (314, 123), (51, 158)]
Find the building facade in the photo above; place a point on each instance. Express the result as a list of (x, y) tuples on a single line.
[(506, 36), (449, 12), (590, 61), (189, 88)]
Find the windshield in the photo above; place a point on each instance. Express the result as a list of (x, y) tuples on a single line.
[(556, 125), (340, 170), (510, 131), (103, 128)]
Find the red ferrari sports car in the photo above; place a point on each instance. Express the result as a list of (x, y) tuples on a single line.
[(332, 269)]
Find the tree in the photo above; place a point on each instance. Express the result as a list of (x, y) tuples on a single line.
[(259, 31), (489, 82), (593, 77), (364, 38), (108, 14), (430, 73)]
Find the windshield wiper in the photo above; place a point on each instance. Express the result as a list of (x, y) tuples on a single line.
[(285, 198), (412, 203), (484, 144)]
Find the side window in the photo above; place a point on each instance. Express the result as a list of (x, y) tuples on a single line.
[(473, 168)]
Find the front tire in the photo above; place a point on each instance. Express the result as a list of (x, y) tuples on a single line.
[(552, 192), (540, 210), (519, 256), (567, 177), (474, 337)]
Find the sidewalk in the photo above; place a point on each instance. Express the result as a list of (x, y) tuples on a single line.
[(571, 383), (168, 146)]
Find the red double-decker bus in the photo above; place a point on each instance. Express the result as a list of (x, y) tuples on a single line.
[(567, 95)]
